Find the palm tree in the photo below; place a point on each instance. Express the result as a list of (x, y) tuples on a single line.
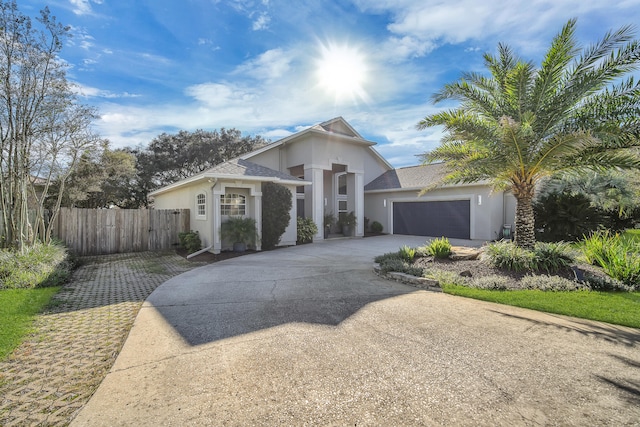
[(580, 110)]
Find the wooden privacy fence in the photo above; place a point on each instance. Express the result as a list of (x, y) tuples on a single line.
[(108, 231)]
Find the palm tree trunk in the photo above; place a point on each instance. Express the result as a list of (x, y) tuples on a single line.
[(525, 236)]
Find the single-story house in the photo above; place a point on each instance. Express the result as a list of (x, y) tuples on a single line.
[(331, 168)]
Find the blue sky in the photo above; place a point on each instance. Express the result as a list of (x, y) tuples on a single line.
[(273, 67)]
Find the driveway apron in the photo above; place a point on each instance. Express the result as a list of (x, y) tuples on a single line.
[(309, 335)]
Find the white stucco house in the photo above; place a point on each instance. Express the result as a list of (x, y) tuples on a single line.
[(331, 168)]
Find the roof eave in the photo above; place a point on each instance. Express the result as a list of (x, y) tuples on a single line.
[(389, 190), (230, 177)]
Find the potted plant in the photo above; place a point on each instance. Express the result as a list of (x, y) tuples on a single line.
[(240, 231), (348, 222), (329, 220)]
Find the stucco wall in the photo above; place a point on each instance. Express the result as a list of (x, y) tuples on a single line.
[(486, 212), (185, 198)]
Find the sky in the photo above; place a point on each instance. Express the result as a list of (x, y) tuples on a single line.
[(275, 67)]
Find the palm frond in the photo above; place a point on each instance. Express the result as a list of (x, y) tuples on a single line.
[(558, 57)]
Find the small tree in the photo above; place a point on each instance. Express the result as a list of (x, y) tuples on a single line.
[(276, 205)]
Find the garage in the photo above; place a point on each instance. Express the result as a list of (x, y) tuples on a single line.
[(450, 218)]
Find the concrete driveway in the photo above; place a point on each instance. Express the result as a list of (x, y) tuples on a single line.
[(309, 335)]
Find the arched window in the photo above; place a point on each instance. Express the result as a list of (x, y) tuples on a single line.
[(201, 206), (232, 204)]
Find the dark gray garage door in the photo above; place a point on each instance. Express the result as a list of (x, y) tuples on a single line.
[(446, 218)]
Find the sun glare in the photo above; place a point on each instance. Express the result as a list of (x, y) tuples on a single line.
[(342, 72)]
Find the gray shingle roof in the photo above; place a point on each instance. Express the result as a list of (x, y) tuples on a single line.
[(242, 167), (410, 177)]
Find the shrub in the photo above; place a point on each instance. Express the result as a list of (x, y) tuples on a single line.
[(508, 256), (439, 248), (37, 266), (619, 258), (444, 277), (388, 256), (563, 216), (376, 227), (407, 254), (552, 256), (329, 220), (550, 283), (422, 251), (276, 205), (398, 265), (306, 229), (190, 241), (493, 282), (606, 284)]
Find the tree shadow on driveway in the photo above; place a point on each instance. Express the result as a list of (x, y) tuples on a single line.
[(206, 323), (611, 333)]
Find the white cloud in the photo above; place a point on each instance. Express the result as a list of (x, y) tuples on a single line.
[(428, 23), (262, 22), (93, 92), (83, 7), (270, 65)]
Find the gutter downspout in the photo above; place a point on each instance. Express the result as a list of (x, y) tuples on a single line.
[(201, 251)]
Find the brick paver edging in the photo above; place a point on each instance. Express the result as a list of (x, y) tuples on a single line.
[(54, 372)]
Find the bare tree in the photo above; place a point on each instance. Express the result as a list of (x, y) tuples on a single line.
[(42, 127)]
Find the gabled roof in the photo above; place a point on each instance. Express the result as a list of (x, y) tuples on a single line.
[(419, 177), (238, 169), (412, 177), (336, 128)]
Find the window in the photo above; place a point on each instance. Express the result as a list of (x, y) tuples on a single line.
[(201, 206), (342, 184), (232, 204)]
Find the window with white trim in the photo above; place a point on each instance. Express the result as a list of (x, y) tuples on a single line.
[(201, 206), (232, 204)]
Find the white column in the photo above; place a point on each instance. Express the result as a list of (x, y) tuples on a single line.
[(257, 214), (217, 222), (359, 203), (316, 176)]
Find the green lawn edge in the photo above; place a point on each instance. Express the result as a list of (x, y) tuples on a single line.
[(18, 310), (618, 308)]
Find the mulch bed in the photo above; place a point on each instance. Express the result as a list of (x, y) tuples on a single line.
[(478, 268)]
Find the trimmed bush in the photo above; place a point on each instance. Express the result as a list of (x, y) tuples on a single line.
[(306, 230), (439, 248), (190, 241), (276, 205), (376, 227)]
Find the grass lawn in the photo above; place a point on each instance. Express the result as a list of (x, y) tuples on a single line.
[(620, 308), (18, 308)]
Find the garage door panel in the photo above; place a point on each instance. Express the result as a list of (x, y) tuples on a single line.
[(440, 218)]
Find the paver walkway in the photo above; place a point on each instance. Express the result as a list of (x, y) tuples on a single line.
[(49, 378)]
